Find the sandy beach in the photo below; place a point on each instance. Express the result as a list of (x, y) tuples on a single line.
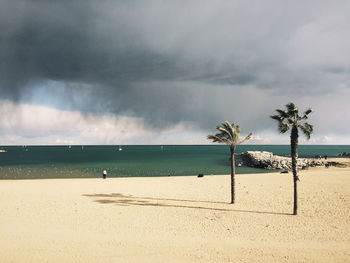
[(177, 219)]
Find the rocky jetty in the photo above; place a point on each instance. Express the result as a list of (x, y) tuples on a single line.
[(267, 160)]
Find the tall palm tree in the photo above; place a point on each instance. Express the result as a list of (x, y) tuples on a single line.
[(230, 135), (290, 119)]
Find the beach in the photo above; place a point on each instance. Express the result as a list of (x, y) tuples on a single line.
[(177, 219)]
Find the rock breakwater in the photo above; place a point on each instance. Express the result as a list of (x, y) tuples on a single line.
[(267, 160)]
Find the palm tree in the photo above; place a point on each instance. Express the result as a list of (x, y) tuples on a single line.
[(290, 119), (229, 134)]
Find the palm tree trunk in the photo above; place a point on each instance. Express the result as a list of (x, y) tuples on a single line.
[(232, 174), (294, 154)]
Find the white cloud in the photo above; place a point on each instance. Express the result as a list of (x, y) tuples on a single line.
[(25, 124), (34, 124)]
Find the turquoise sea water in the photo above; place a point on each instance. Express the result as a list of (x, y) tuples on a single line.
[(30, 162)]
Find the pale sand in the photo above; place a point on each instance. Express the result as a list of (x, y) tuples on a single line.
[(177, 219)]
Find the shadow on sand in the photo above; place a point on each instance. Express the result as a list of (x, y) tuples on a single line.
[(130, 200)]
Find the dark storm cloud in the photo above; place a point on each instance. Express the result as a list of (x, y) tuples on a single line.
[(172, 61)]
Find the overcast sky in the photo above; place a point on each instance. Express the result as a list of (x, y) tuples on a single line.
[(167, 72)]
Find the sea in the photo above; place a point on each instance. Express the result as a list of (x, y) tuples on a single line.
[(89, 161)]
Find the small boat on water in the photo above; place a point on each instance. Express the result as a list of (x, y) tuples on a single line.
[(120, 148)]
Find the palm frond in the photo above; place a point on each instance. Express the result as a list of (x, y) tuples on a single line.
[(236, 133), (227, 125), (217, 138), (248, 137), (276, 117), (283, 127), (306, 113), (290, 117), (291, 109), (307, 129), (224, 131), (232, 128), (309, 126), (282, 113), (229, 134), (237, 128), (290, 121)]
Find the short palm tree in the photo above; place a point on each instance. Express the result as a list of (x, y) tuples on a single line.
[(290, 119), (230, 135)]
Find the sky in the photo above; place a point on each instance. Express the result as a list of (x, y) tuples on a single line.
[(168, 72)]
